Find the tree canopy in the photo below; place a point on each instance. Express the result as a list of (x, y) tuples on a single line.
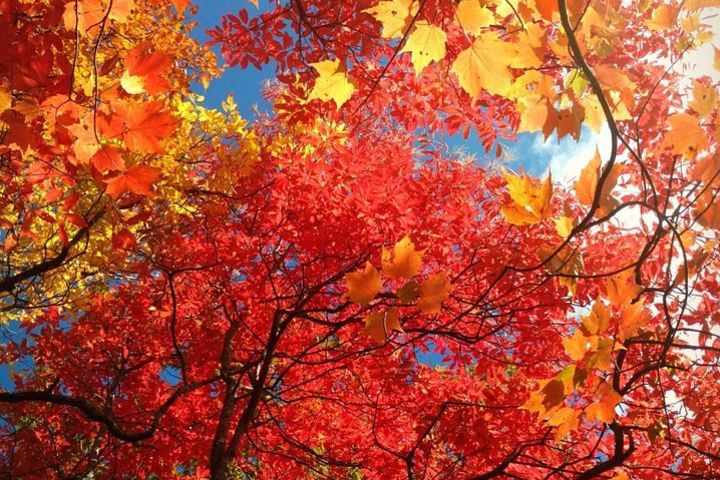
[(328, 289)]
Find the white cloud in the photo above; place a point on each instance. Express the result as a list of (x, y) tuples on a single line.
[(567, 157)]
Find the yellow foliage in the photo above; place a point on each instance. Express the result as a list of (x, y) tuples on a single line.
[(530, 201), (332, 83), (426, 44), (395, 16)]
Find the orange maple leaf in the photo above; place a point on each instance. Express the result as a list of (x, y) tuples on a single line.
[(363, 284), (146, 125), (379, 325), (108, 158), (433, 292), (144, 70), (404, 261), (137, 179)]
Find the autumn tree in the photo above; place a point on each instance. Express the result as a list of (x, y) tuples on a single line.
[(328, 290)]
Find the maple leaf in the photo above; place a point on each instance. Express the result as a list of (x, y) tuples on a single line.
[(137, 179), (553, 395), (121, 9), (363, 284), (571, 377), (473, 17), (108, 158), (568, 261), (144, 70), (5, 99), (632, 318), (403, 261), (85, 144), (564, 225), (395, 16), (586, 184), (146, 124), (530, 201), (663, 17), (332, 83), (83, 15), (566, 419), (485, 65), (547, 8), (409, 292), (621, 288), (379, 325), (601, 357), (426, 44), (578, 345), (603, 409), (433, 291), (598, 320), (704, 98), (686, 137), (621, 90)]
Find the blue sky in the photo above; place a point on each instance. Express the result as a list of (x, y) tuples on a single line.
[(529, 152)]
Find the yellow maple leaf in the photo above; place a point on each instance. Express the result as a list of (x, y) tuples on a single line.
[(485, 65), (403, 261), (704, 98), (426, 44), (564, 225), (395, 16), (530, 201), (663, 17), (603, 409), (594, 116), (363, 284), (332, 83), (433, 292), (379, 325), (473, 17), (621, 288), (686, 136)]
